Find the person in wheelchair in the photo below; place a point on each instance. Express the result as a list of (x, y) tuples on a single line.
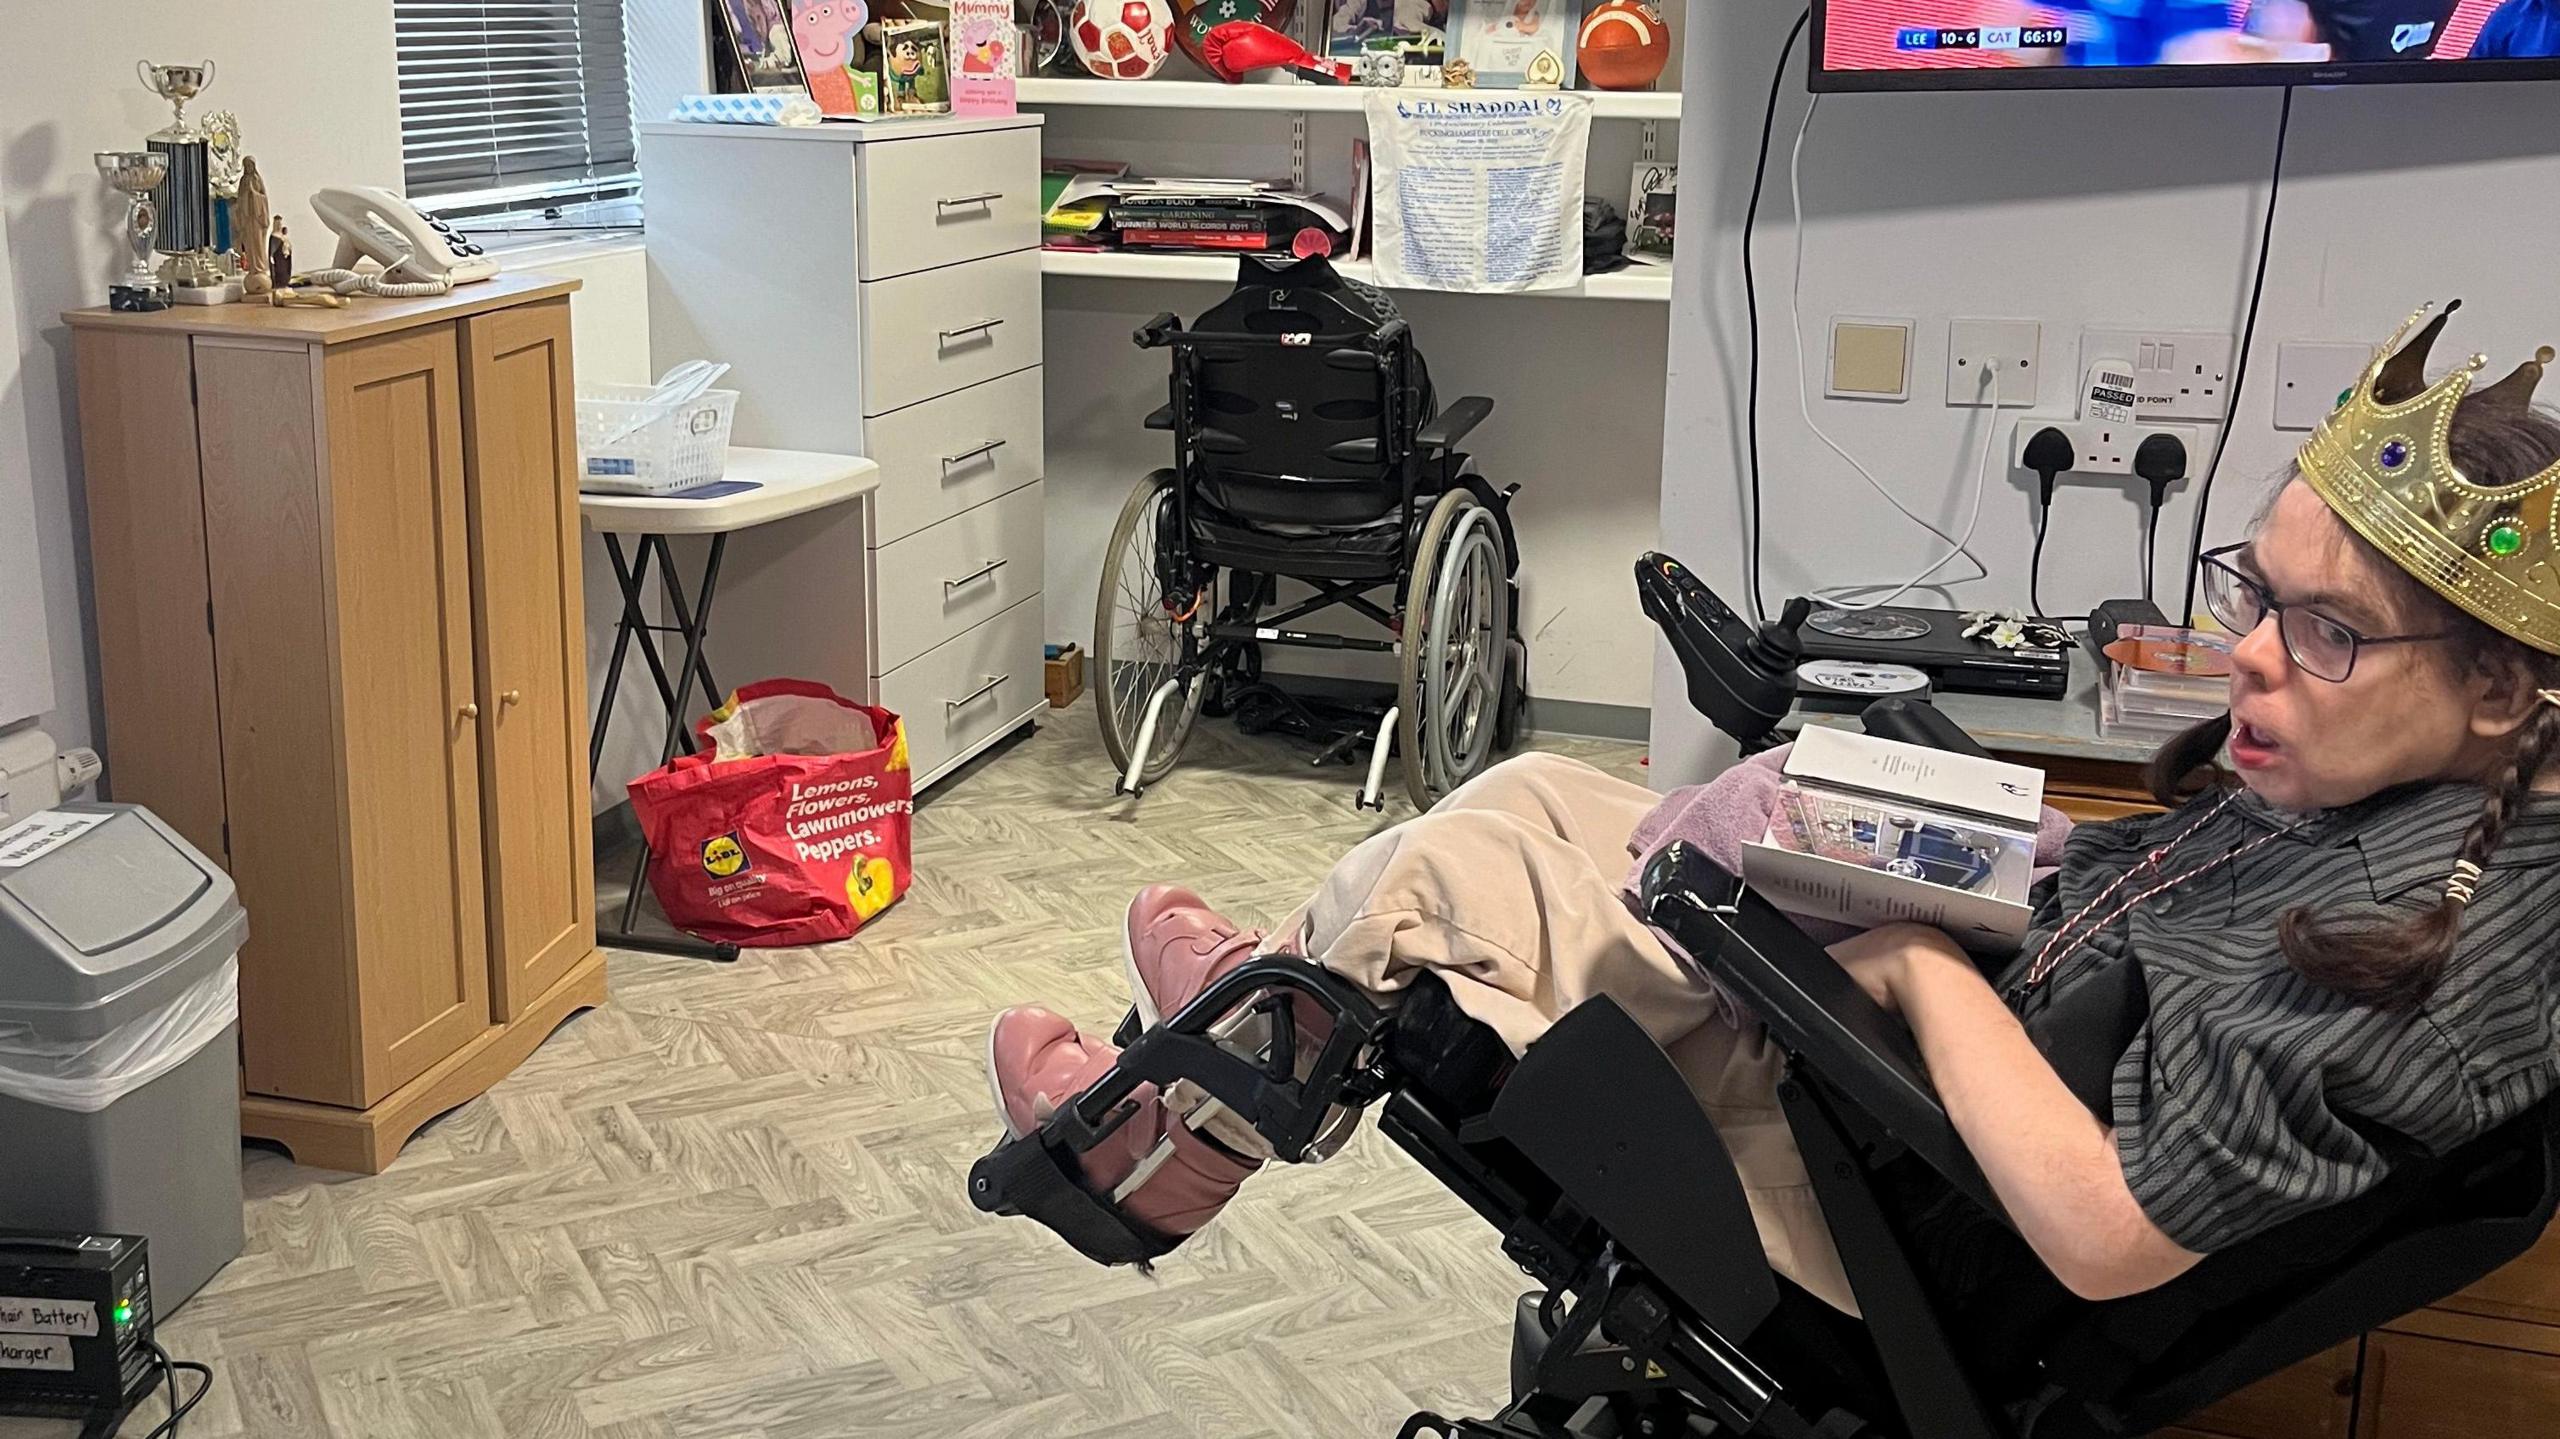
[(2253, 1008)]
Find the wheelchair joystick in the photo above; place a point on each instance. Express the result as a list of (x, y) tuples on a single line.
[(1742, 679)]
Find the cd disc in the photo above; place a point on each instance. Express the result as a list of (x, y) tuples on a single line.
[(1851, 677), (1867, 624), (2169, 657)]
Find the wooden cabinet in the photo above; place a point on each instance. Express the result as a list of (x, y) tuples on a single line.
[(342, 648)]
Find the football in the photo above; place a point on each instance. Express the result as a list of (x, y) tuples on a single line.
[(1624, 45), (1122, 39)]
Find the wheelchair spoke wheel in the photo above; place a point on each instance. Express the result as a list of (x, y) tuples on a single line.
[(1143, 638), (1456, 645)]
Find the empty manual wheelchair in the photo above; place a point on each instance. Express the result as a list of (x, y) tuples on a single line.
[(1308, 446)]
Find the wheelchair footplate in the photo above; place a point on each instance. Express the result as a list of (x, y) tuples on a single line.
[(1037, 1175)]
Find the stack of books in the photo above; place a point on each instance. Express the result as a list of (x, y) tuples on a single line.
[(1091, 210), (2161, 680)]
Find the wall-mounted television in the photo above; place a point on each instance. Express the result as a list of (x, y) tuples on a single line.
[(2024, 44)]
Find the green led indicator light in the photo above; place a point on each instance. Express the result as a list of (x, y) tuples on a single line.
[(124, 1313)]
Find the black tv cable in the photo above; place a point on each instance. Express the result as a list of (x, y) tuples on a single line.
[(2240, 362), (1751, 304)]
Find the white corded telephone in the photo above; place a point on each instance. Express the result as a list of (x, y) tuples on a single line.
[(419, 255)]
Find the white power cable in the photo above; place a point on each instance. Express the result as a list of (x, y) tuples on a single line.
[(1837, 598)]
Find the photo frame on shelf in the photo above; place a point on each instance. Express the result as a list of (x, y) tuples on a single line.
[(1653, 205), (1515, 44), (1353, 26), (759, 33)]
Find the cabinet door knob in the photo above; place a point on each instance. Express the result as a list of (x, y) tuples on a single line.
[(511, 697), (471, 710)]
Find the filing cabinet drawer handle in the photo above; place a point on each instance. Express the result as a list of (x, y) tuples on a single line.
[(984, 447), (980, 692), (974, 327), (954, 202), (980, 573)]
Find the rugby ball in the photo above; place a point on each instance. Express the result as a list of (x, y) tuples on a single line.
[(1624, 45)]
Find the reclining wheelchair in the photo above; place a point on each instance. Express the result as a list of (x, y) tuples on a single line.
[(1308, 446), (1657, 1313)]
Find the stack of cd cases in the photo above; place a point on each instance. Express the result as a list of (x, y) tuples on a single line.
[(2161, 680)]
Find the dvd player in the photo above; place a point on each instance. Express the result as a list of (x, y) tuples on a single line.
[(1933, 642)]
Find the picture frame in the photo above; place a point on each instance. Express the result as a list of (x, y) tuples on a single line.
[(1355, 26), (1515, 44), (759, 33), (1653, 207), (915, 68)]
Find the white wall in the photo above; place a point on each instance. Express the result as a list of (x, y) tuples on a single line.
[(26, 661), (2078, 210), (1576, 384), (313, 84)]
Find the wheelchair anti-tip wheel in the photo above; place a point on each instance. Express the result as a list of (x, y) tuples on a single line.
[(1142, 637), (1456, 648)]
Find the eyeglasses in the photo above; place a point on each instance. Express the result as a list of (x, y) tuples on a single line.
[(2323, 647)]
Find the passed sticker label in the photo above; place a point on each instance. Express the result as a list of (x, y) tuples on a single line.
[(34, 1351), (48, 1316), (40, 834)]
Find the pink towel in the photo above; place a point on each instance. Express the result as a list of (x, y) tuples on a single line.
[(1733, 809)]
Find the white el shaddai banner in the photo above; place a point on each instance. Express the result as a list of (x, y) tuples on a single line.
[(1478, 190)]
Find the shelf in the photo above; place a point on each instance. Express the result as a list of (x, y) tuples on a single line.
[(1293, 96), (1637, 282)]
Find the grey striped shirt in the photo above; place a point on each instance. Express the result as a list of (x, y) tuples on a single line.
[(2249, 1095)]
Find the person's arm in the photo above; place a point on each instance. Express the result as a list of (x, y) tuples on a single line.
[(2053, 1165)]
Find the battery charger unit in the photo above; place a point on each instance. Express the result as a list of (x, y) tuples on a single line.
[(75, 1327)]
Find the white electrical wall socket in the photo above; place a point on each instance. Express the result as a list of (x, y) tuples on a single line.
[(2309, 378), (2104, 447), (2018, 347), (2177, 374)]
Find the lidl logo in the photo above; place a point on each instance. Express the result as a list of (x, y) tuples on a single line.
[(723, 856)]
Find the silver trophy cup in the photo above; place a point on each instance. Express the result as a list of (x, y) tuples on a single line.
[(136, 174)]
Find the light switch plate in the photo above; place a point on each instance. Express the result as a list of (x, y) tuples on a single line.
[(1870, 358), (2018, 346), (2309, 376)]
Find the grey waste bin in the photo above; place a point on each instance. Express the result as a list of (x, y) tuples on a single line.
[(119, 1038)]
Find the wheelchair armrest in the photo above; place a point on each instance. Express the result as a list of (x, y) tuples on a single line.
[(1161, 417), (1919, 722), (1812, 1007), (1453, 423)]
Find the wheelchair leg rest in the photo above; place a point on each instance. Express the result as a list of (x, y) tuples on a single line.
[(1378, 762)]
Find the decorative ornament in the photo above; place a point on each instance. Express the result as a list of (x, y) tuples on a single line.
[(1122, 39), (1624, 45)]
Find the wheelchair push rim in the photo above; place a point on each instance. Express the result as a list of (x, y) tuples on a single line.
[(1456, 646), (1144, 639)]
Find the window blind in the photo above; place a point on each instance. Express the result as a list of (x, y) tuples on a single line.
[(513, 103)]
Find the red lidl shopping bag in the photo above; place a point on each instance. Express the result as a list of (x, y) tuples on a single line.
[(791, 826)]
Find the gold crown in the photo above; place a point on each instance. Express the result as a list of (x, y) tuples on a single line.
[(2383, 460)]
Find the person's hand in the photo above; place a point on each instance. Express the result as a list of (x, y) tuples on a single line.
[(1882, 960)]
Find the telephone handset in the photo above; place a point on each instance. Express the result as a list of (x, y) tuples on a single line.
[(410, 247)]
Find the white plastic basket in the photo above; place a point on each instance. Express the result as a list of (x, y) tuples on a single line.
[(631, 444)]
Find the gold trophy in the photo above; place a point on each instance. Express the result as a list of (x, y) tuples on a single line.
[(136, 174)]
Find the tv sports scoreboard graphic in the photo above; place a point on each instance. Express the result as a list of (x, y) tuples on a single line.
[(1982, 37)]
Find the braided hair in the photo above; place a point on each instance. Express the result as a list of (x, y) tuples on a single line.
[(2396, 963)]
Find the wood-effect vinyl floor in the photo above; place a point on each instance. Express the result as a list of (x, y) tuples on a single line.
[(729, 1204)]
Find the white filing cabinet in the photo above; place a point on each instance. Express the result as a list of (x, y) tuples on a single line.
[(877, 290)]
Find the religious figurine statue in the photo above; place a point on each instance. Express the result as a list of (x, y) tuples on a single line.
[(250, 216)]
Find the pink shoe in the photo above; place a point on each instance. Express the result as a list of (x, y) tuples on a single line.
[(1158, 1172), (1175, 946)]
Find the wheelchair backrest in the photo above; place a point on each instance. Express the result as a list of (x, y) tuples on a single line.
[(1296, 398)]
